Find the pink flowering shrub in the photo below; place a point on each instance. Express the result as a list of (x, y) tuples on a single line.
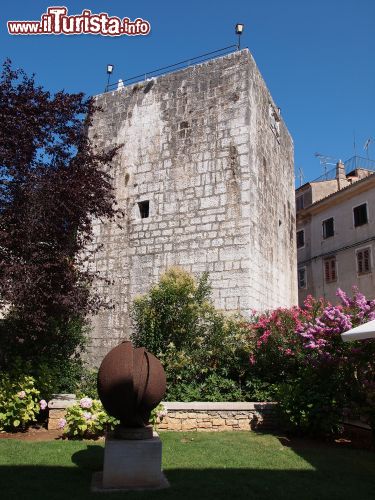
[(87, 419), (43, 404), (313, 372), (85, 402)]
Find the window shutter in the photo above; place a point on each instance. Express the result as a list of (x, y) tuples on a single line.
[(326, 270), (363, 261), (360, 262), (366, 260), (333, 270)]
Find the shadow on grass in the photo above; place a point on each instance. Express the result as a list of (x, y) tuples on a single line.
[(327, 481)]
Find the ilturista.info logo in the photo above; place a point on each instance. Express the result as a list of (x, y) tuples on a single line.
[(56, 21)]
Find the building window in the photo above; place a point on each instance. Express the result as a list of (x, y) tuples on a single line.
[(300, 238), (300, 203), (328, 228), (364, 261), (144, 209), (360, 215), (330, 272), (302, 282)]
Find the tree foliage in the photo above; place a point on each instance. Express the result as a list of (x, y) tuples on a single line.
[(53, 182), (203, 351)]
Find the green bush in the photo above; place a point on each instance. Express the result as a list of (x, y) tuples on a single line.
[(53, 357), (172, 312), (311, 404), (314, 374), (19, 402), (88, 384), (88, 419), (203, 351)]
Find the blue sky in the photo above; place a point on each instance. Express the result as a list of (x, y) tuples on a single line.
[(317, 57)]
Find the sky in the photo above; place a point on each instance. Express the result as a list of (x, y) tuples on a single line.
[(316, 56)]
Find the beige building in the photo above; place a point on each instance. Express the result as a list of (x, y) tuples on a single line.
[(336, 231)]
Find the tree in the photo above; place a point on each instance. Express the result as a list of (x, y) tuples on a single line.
[(53, 182)]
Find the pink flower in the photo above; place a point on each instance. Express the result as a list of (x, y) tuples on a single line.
[(62, 423), (311, 345), (86, 403), (43, 404), (21, 394), (343, 296), (87, 415)]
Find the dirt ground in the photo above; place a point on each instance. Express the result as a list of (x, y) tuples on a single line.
[(38, 433)]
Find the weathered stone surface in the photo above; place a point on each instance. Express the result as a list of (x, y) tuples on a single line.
[(130, 433), (133, 464), (54, 417), (207, 148), (62, 401), (188, 425), (218, 421)]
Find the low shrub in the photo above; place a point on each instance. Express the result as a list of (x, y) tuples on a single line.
[(87, 385), (315, 374), (88, 419), (203, 351), (19, 402)]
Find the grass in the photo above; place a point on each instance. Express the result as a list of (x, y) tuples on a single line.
[(199, 466)]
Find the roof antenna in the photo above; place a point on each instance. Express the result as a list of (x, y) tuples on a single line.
[(367, 145), (300, 175), (324, 162)]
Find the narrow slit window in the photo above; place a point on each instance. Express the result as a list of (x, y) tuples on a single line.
[(144, 209)]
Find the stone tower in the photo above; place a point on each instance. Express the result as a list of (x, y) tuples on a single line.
[(205, 177)]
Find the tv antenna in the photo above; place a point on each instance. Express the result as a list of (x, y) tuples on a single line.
[(300, 176), (324, 161), (367, 145)]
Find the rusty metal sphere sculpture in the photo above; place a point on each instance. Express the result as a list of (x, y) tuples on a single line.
[(131, 382)]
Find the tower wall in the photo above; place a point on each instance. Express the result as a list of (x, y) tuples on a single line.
[(207, 148)]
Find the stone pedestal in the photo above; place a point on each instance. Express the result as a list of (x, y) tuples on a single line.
[(131, 464)]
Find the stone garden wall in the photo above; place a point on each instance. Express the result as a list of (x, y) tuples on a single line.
[(202, 416), (195, 416)]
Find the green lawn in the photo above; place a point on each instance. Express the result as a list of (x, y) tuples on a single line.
[(229, 465)]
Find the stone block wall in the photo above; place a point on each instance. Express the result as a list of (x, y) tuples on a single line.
[(197, 416), (207, 148), (57, 409), (212, 417)]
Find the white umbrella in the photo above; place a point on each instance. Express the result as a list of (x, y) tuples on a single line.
[(365, 331)]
